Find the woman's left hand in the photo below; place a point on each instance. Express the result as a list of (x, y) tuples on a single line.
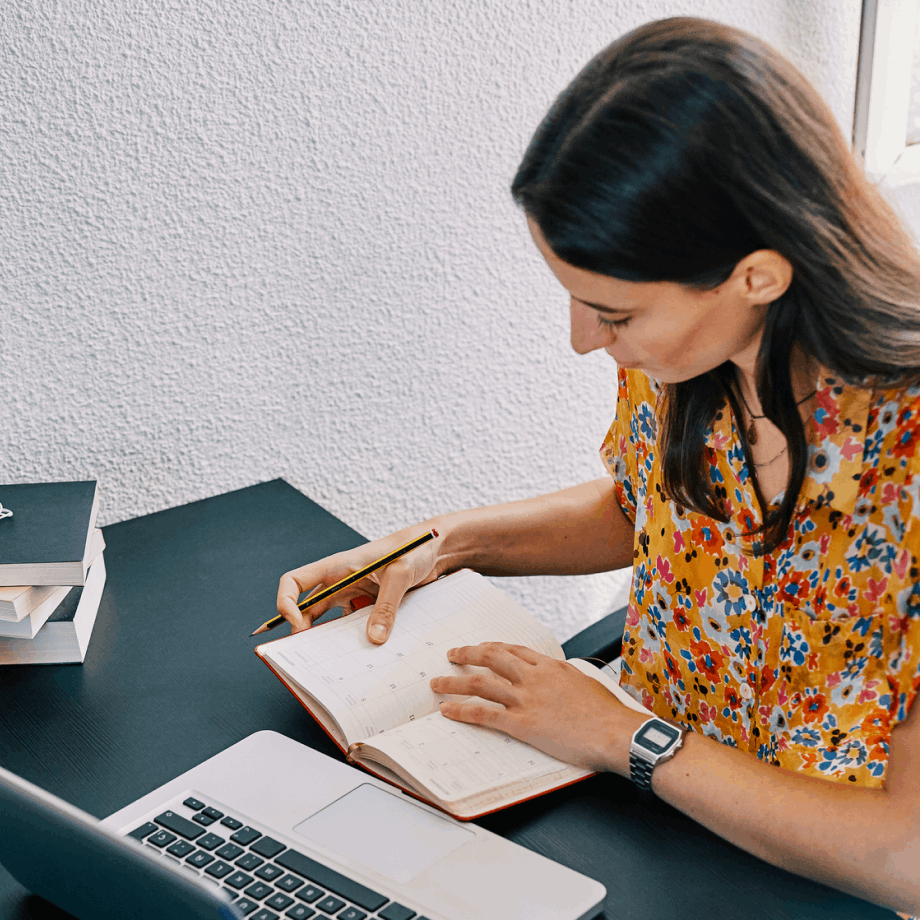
[(547, 703)]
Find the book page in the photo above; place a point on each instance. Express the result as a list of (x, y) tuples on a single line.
[(372, 688), (455, 761), (472, 769)]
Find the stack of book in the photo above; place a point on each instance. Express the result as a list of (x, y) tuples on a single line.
[(51, 571)]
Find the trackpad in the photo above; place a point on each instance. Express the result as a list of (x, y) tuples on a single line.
[(384, 832)]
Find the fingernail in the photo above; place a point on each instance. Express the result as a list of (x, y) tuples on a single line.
[(378, 632)]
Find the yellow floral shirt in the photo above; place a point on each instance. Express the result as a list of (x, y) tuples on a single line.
[(807, 656)]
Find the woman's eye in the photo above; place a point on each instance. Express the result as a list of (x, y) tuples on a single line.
[(613, 323)]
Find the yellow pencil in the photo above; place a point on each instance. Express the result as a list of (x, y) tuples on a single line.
[(350, 579)]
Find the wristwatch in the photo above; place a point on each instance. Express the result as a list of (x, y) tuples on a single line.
[(655, 741)]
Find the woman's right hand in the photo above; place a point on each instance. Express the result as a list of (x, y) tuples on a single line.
[(386, 586)]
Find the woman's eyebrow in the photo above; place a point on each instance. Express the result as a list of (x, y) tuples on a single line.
[(601, 307)]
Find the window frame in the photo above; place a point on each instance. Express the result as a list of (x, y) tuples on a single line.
[(886, 55)]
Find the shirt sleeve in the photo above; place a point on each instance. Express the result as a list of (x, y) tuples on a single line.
[(898, 496), (618, 452), (903, 632)]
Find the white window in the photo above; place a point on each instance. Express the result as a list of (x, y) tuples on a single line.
[(886, 124)]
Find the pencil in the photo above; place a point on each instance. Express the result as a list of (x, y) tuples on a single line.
[(350, 579)]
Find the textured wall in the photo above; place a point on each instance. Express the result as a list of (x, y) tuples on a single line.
[(254, 238)]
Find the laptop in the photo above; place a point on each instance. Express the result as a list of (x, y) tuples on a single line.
[(270, 829)]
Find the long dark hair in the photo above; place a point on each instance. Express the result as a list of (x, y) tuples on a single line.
[(679, 150)]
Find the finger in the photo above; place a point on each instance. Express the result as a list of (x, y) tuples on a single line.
[(288, 592), (312, 614), (307, 580), (394, 582), (475, 713), (484, 684), (349, 599), (497, 656)]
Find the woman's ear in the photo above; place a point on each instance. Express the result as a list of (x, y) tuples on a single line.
[(765, 276)]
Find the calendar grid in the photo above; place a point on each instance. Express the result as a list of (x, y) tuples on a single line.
[(370, 688)]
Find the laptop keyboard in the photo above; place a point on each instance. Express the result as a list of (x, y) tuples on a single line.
[(266, 879)]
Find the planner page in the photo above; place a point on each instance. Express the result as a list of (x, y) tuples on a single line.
[(471, 770), (466, 765), (369, 688)]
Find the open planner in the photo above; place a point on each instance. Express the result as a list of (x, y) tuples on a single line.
[(375, 702)]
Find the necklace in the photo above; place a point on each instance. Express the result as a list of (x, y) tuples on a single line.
[(770, 462), (751, 431)]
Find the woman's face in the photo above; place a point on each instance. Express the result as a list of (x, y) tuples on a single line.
[(671, 332)]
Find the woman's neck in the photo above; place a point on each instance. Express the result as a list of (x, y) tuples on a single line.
[(803, 370)]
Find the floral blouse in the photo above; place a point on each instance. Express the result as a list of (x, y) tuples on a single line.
[(807, 656)]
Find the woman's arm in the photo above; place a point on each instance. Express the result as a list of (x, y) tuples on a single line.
[(577, 531), (863, 841), (573, 532)]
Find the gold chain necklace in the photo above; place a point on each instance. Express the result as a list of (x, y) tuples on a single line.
[(771, 462)]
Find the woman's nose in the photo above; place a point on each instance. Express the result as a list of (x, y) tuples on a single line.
[(587, 334)]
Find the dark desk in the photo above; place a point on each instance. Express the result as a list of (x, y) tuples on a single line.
[(170, 679)]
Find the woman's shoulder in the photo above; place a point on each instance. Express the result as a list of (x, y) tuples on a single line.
[(892, 422)]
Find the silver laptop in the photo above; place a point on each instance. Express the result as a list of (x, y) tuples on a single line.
[(271, 829)]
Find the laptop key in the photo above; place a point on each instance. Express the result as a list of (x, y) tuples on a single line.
[(213, 813), (209, 841), (238, 880), (194, 804), (300, 912), (229, 851), (250, 861), (200, 859), (232, 823), (178, 825), (329, 878), (269, 873), (245, 906), (265, 915), (288, 883), (180, 848), (330, 904), (309, 894), (202, 818), (161, 838), (268, 847), (279, 901), (352, 913), (396, 911), (219, 869), (139, 833), (245, 836), (258, 890)]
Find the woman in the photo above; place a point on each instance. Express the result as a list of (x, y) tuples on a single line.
[(696, 200)]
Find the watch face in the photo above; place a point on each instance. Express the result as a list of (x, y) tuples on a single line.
[(657, 737)]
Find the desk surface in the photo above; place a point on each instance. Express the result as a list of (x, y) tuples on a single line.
[(170, 679)]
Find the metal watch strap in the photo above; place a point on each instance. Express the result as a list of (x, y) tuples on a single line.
[(640, 771), (641, 768)]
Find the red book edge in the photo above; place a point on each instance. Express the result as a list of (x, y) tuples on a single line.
[(414, 795)]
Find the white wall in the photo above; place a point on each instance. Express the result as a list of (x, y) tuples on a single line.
[(244, 239)]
